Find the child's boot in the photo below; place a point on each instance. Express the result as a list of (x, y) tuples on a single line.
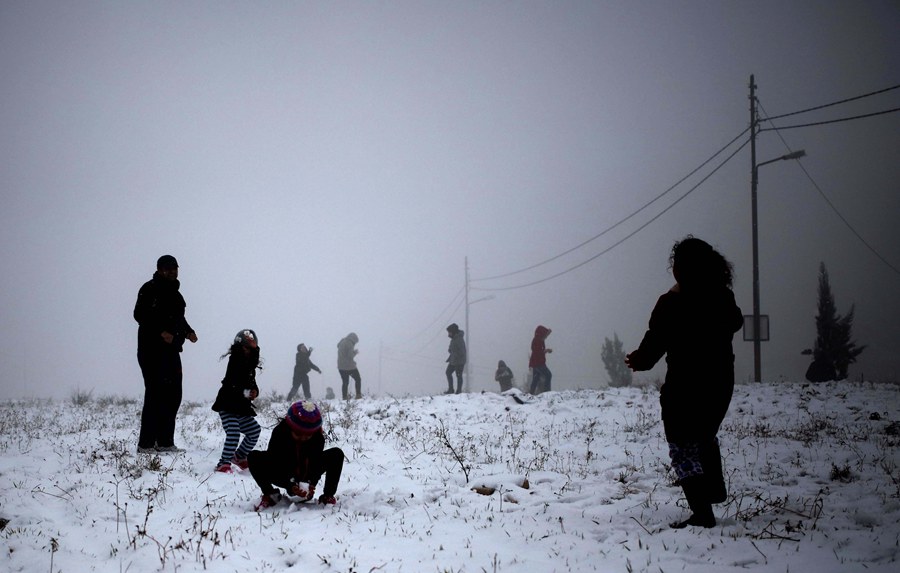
[(268, 500), (698, 501)]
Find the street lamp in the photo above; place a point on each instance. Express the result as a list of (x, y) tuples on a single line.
[(754, 178)]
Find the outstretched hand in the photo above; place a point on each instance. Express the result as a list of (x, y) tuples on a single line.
[(629, 361)]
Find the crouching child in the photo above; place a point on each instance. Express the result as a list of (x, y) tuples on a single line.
[(296, 458)]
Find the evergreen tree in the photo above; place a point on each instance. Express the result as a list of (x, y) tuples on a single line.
[(614, 360), (834, 350)]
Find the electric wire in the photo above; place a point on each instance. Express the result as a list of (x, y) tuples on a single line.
[(437, 319), (626, 237), (438, 332), (828, 201), (620, 222), (826, 122), (818, 107)]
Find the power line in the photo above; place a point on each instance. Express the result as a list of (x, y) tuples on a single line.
[(620, 222), (833, 103), (439, 331), (829, 203), (439, 316), (628, 236), (873, 114)]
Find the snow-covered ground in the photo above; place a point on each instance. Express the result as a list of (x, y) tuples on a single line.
[(580, 482)]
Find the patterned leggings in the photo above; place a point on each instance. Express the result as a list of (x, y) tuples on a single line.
[(235, 426), (688, 457)]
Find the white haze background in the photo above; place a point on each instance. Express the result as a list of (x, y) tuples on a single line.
[(325, 167)]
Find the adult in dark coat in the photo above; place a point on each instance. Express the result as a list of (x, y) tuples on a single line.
[(296, 459), (541, 376), (162, 330), (693, 325)]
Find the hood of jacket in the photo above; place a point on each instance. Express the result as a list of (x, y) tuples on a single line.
[(542, 332)]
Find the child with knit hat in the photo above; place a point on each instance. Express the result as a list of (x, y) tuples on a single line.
[(296, 458)]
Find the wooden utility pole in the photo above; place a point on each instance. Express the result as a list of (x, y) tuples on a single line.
[(757, 347)]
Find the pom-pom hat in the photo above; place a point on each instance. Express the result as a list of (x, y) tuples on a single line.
[(304, 417), (246, 337)]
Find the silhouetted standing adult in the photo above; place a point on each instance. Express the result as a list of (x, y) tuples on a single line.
[(162, 330), (347, 365), (693, 325), (541, 376)]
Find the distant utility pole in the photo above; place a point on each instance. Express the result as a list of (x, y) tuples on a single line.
[(468, 355), (757, 347), (759, 323)]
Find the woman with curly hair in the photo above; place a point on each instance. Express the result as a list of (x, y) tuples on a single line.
[(693, 325)]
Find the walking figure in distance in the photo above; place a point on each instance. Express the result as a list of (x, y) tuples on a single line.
[(302, 366), (234, 401), (540, 374), (456, 362), (693, 324), (347, 365)]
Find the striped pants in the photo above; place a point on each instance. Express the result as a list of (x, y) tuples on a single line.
[(235, 426)]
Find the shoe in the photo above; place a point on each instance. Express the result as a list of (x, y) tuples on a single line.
[(268, 500), (169, 449), (240, 462), (141, 450), (224, 468), (701, 509), (695, 519), (450, 391), (327, 499), (358, 396)]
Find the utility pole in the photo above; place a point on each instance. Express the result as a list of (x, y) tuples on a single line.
[(757, 347), (466, 384)]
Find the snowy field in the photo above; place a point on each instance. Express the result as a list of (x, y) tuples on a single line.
[(576, 481)]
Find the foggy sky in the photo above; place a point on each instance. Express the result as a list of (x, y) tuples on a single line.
[(325, 167)]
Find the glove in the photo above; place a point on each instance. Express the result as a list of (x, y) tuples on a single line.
[(311, 492)]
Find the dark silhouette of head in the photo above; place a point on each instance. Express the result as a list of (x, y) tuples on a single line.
[(698, 266)]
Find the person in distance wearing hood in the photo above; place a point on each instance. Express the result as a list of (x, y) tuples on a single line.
[(456, 362), (540, 374), (346, 363)]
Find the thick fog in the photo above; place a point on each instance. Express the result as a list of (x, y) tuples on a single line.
[(319, 168)]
